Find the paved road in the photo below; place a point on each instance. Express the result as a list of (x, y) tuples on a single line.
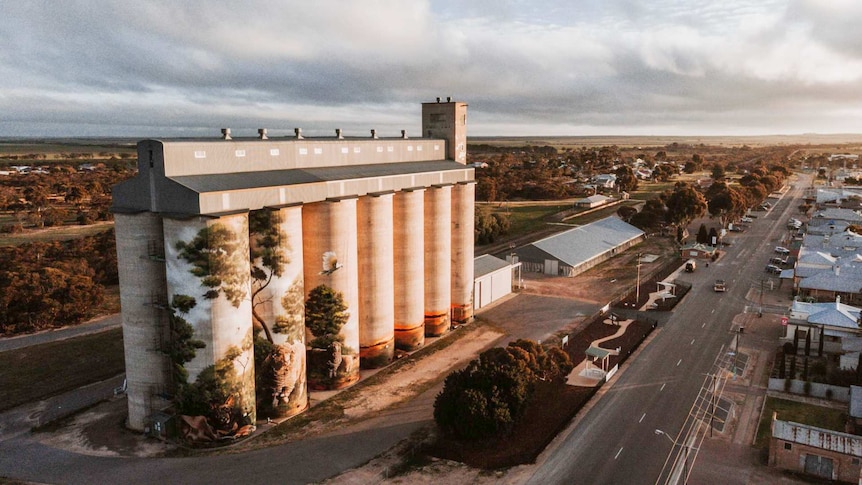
[(615, 442), (94, 326)]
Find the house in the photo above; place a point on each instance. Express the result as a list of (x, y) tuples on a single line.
[(605, 180), (574, 251), (493, 279), (839, 282), (697, 251), (593, 201), (820, 452), (832, 322)]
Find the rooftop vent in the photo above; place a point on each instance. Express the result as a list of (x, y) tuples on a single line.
[(261, 133), (374, 134), (404, 134), (438, 99), (225, 133), (448, 99), (338, 134), (298, 132)]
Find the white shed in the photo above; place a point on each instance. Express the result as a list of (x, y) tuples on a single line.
[(492, 279)]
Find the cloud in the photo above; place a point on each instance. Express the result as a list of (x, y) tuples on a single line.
[(615, 65)]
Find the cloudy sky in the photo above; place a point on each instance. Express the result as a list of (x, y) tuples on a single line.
[(555, 67)]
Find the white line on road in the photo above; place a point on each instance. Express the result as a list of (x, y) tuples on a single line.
[(704, 324), (713, 310), (678, 363), (618, 454), (662, 387), (642, 418), (692, 342)]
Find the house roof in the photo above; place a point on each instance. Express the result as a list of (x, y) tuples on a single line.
[(856, 401), (827, 280), (698, 247), (593, 198), (833, 314), (838, 215), (487, 264), (578, 245), (813, 436)]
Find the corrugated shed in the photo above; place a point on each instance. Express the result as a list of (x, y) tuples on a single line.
[(487, 264), (824, 439), (578, 245)]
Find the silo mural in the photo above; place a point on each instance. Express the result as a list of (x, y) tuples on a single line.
[(275, 239), (211, 324)]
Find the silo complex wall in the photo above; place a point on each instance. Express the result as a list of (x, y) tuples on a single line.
[(376, 280), (140, 261), (409, 268), (275, 236), (463, 202), (330, 258), (207, 264), (438, 262)]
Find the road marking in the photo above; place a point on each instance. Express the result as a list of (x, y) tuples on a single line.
[(662, 387), (692, 342), (713, 310), (678, 363), (642, 418), (618, 454), (704, 324)]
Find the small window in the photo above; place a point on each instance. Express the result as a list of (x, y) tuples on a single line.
[(303, 151), (318, 151), (409, 148), (200, 154), (239, 153), (356, 150), (379, 149), (345, 150), (788, 446), (855, 461), (274, 152)]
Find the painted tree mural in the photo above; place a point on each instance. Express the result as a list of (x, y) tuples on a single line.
[(277, 306), (329, 359), (215, 400)]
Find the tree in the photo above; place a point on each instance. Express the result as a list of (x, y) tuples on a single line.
[(702, 235), (266, 258), (325, 314), (651, 216), (626, 212), (725, 202), (664, 171), (717, 172), (215, 255), (684, 204), (626, 180)]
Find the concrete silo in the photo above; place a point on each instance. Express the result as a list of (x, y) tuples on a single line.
[(376, 293), (409, 268), (438, 259), (278, 308), (463, 201), (209, 295), (330, 259), (146, 333)]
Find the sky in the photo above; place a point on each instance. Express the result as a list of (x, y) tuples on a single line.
[(526, 68)]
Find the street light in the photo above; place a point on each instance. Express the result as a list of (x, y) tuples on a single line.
[(638, 282), (685, 454)]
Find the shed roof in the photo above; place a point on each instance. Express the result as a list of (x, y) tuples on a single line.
[(578, 245), (825, 439), (487, 264)]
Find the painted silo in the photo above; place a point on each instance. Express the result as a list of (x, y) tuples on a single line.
[(330, 259), (409, 268), (463, 201), (278, 309), (376, 293), (146, 333), (209, 296), (438, 261)]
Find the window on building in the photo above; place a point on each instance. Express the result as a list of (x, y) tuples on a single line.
[(788, 446), (855, 461)]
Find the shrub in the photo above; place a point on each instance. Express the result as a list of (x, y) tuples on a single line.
[(806, 388)]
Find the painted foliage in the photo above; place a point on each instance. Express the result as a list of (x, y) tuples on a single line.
[(331, 363), (277, 309), (210, 315)]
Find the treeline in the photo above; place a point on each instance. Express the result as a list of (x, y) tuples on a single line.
[(62, 196), (52, 284)]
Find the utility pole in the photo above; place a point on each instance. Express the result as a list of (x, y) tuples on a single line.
[(638, 282), (760, 312)]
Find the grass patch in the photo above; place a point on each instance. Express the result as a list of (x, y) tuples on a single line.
[(62, 233), (48, 369), (797, 412), (528, 219)]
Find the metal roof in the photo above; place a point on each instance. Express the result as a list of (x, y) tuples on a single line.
[(581, 244), (487, 264), (597, 353), (824, 439), (274, 178)]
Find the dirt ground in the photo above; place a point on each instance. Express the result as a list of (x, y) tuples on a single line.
[(99, 430)]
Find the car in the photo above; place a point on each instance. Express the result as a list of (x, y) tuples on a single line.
[(771, 268), (736, 228), (719, 286), (782, 250), (746, 219), (778, 261)]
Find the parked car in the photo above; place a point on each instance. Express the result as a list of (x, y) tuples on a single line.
[(778, 261), (782, 250), (746, 219), (690, 266), (771, 268)]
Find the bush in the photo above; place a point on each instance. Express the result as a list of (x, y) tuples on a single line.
[(806, 388), (787, 384)]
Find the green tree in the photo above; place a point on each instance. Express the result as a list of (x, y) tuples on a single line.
[(664, 171), (684, 204), (626, 180), (325, 314), (702, 235), (215, 255)]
